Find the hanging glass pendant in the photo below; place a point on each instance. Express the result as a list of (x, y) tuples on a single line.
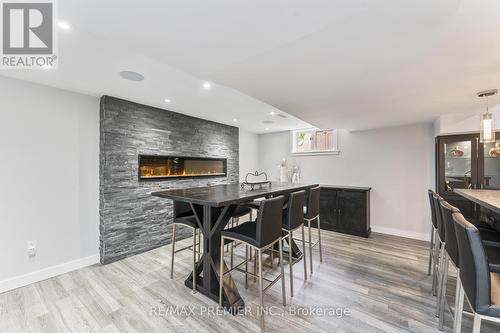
[(487, 134)]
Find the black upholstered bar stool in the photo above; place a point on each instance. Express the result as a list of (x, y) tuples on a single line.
[(480, 281), (439, 246), (430, 194), (450, 256), (260, 235), (239, 212), (311, 213), (184, 216), (293, 219)]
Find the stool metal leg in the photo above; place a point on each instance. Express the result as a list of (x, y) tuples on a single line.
[(272, 257), (457, 315), (476, 326), (283, 289), (430, 250), (442, 260), (319, 241), (194, 261), (173, 252), (255, 266), (310, 246), (290, 261), (261, 292), (437, 241), (460, 307), (199, 245), (304, 252), (246, 266), (444, 283)]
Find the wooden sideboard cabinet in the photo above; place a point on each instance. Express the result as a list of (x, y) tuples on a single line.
[(345, 209)]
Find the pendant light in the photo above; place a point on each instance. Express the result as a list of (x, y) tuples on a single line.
[(487, 126)]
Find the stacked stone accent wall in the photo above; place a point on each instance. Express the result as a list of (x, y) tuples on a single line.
[(131, 220)]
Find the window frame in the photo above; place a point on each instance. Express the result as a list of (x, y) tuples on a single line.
[(293, 134)]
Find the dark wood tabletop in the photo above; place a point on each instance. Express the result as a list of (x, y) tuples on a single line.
[(228, 194)]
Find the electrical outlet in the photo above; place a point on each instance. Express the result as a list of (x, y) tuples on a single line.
[(32, 249)]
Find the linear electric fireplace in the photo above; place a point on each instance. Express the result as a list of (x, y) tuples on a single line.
[(168, 167)]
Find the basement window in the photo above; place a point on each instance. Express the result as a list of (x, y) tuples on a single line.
[(314, 141)]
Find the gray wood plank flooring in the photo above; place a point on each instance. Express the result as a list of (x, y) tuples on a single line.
[(381, 280)]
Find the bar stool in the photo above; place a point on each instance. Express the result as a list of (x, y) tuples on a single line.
[(479, 280), (239, 212), (260, 235), (439, 247), (311, 213), (183, 215), (430, 193), (450, 256), (293, 219)]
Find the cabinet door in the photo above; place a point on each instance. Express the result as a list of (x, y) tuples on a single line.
[(327, 209), (457, 160), (352, 211), (489, 165)]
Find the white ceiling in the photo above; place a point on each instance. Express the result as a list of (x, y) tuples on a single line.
[(349, 64)]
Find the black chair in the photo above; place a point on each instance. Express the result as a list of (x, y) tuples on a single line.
[(450, 256), (239, 212), (479, 280), (260, 235), (184, 216), (311, 213), (439, 248), (293, 218), (430, 193)]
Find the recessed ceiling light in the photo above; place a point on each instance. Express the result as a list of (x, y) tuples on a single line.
[(167, 100), (207, 85), (63, 25), (132, 76), (235, 120), (272, 113), (267, 128)]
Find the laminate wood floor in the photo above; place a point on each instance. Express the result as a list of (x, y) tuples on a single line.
[(382, 281)]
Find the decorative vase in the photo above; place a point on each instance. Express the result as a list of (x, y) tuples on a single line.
[(456, 152), (495, 151)]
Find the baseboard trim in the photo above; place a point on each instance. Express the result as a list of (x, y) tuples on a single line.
[(47, 273), (401, 233)]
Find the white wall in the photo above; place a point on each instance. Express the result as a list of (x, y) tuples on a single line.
[(398, 163), (249, 152), (49, 167)]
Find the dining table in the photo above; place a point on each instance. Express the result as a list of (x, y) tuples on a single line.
[(489, 199), (213, 207)]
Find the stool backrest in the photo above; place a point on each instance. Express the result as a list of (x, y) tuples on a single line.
[(182, 209), (474, 267), (269, 220), (430, 193), (313, 203), (439, 216), (450, 235), (294, 214)]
